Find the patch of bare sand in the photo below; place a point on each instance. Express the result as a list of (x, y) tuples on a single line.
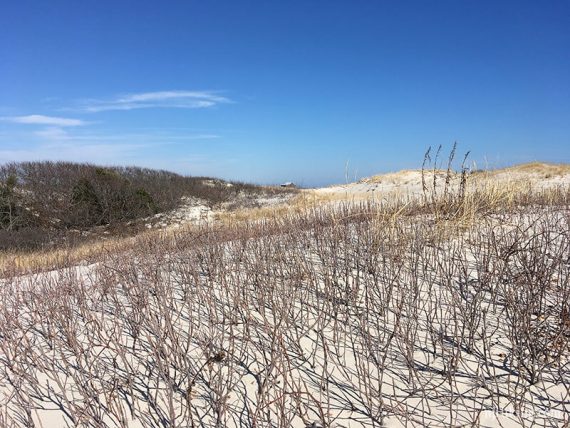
[(409, 183)]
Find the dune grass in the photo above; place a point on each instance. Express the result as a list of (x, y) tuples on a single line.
[(427, 311)]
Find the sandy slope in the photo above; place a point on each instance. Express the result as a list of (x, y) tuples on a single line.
[(304, 327), (297, 319), (408, 183)]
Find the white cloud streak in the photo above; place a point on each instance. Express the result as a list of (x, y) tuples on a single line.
[(38, 119), (52, 133), (56, 143), (103, 153), (160, 99)]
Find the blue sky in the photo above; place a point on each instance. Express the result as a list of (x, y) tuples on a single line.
[(269, 91)]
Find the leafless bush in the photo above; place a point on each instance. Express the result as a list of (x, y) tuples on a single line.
[(346, 315)]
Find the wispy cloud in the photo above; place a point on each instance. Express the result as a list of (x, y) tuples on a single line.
[(160, 99), (150, 148), (103, 153), (38, 119), (111, 152), (53, 133)]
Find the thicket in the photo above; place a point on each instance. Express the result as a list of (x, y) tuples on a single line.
[(42, 200), (360, 315), (448, 310)]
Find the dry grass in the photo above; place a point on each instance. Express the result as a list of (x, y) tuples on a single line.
[(361, 314), (534, 172), (541, 168), (400, 177), (531, 170), (304, 200), (485, 192), (445, 308), (483, 197), (25, 262)]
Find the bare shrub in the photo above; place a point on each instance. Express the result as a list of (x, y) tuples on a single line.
[(345, 315)]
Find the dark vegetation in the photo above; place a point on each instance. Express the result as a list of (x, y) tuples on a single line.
[(43, 202)]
